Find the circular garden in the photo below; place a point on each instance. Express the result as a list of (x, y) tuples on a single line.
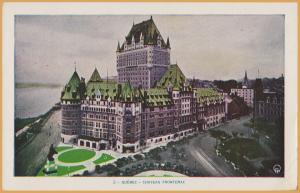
[(76, 155)]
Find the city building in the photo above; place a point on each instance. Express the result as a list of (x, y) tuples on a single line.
[(245, 92), (270, 106), (144, 56), (235, 107), (103, 114)]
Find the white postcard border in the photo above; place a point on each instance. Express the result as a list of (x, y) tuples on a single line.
[(194, 183)]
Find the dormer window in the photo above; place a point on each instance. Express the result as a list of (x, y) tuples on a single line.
[(141, 39), (132, 41), (98, 94), (159, 41)]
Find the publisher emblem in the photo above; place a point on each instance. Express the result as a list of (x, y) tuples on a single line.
[(277, 168)]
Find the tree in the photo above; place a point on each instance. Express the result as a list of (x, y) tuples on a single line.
[(98, 169), (138, 157), (86, 173), (234, 133)]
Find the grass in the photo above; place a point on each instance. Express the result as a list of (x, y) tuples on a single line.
[(62, 148), (64, 170), (76, 155), (236, 149), (103, 158), (218, 134)]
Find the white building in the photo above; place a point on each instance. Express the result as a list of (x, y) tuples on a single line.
[(246, 93)]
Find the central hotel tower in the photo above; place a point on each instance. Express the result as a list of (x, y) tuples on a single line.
[(144, 56)]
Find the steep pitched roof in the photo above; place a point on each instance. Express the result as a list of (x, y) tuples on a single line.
[(71, 90), (95, 76), (173, 77), (118, 47), (156, 97), (149, 32), (116, 92)]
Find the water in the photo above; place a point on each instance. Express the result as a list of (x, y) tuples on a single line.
[(35, 101)]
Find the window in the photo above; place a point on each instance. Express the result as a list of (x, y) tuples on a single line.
[(160, 123), (152, 125)]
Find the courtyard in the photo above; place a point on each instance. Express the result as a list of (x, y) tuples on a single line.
[(72, 160)]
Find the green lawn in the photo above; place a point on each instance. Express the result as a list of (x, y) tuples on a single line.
[(76, 155), (64, 170), (235, 149), (103, 158), (62, 148)]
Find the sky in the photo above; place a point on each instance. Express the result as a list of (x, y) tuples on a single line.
[(207, 47)]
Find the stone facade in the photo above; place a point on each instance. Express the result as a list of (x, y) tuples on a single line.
[(152, 101), (144, 56), (102, 114), (270, 107)]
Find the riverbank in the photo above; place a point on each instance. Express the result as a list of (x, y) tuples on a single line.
[(20, 123), (26, 129), (32, 156)]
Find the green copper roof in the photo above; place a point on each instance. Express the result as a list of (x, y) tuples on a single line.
[(208, 95), (95, 76), (156, 97), (104, 89), (149, 31), (173, 77), (71, 90), (110, 89)]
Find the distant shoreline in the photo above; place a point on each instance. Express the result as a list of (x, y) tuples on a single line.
[(36, 85), (20, 123)]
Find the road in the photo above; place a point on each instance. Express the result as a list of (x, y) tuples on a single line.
[(202, 149), (31, 158)]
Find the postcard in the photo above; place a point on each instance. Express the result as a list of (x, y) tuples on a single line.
[(150, 96)]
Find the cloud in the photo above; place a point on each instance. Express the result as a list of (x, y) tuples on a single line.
[(205, 46)]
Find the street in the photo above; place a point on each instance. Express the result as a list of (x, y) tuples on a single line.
[(202, 150)]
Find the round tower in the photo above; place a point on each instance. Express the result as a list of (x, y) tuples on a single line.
[(71, 109)]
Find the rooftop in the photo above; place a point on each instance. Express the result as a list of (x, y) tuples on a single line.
[(148, 31), (173, 77)]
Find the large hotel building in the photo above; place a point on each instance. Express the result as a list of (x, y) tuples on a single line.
[(144, 56), (152, 101)]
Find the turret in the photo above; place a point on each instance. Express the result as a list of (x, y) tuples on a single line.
[(71, 102), (141, 39), (132, 41), (118, 48), (168, 43)]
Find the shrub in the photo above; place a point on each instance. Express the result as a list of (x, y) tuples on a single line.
[(86, 173), (130, 159), (121, 162), (98, 169), (138, 157)]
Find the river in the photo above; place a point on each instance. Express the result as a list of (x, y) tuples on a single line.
[(35, 101)]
